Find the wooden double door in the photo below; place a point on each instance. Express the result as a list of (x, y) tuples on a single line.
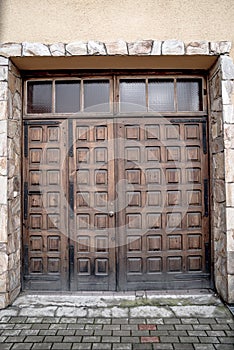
[(116, 204)]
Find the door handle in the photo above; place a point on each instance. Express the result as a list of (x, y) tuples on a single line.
[(111, 214)]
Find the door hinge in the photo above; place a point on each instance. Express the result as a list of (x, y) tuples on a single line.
[(204, 137), (71, 260), (206, 197), (207, 256), (26, 140), (71, 199), (70, 138), (25, 200), (26, 259)]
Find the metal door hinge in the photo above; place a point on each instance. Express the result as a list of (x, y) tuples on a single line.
[(70, 138), (26, 140), (206, 197), (204, 137), (71, 260), (25, 200), (71, 199)]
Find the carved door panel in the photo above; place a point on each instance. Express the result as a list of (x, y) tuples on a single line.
[(45, 259), (162, 227), (92, 225)]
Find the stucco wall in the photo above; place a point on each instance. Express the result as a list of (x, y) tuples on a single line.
[(51, 21)]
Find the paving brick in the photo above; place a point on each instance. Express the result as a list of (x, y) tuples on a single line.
[(120, 321), (11, 332), (133, 327), (53, 339), (107, 339), (220, 327), (22, 346), (111, 327), (85, 320), (189, 340), (162, 346), (66, 332), (159, 333), (149, 339), (167, 327), (209, 340), (102, 332), (225, 320), (189, 321), (145, 327), (58, 326), (51, 320), (229, 333), (172, 321), (123, 333), (23, 326), (178, 333), (224, 346), (137, 320), (91, 339), (6, 346), (68, 320), (197, 333), (34, 320), (169, 339), (29, 332), (121, 346), (105, 320), (18, 319), (144, 346), (186, 346), (155, 321), (48, 332), (73, 339), (84, 332), (183, 327), (75, 326), (6, 326), (205, 327), (204, 347), (63, 346), (18, 339), (99, 346), (40, 326), (226, 340), (141, 333), (216, 333), (82, 346), (42, 346), (94, 326), (34, 339), (207, 321)]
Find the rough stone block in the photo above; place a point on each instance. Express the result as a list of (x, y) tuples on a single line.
[(3, 262), (4, 61), (220, 47), (229, 170), (230, 289), (218, 161), (57, 49), (3, 166), (3, 73), (173, 47), (230, 194), (3, 110), (228, 114), (10, 49), (199, 311), (228, 92), (71, 311), (3, 192), (227, 67), (230, 240), (3, 91), (157, 48), (117, 48), (143, 47), (35, 49), (216, 105), (3, 223), (3, 301), (3, 282), (96, 48), (230, 262), (230, 218), (198, 48), (77, 48), (150, 311)]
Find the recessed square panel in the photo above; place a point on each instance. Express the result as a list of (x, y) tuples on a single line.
[(173, 176), (35, 243), (193, 175), (101, 155), (53, 265), (83, 244), (53, 221), (53, 156), (174, 220), (153, 154), (82, 155), (134, 243), (35, 134), (35, 200), (153, 220), (152, 132), (53, 199), (35, 155), (154, 243), (172, 132), (193, 154), (153, 176), (53, 243), (101, 199), (194, 263), (175, 242), (132, 154), (101, 133), (134, 266), (194, 241), (83, 199), (173, 154), (101, 177), (132, 132), (133, 199), (36, 265), (35, 221), (133, 221), (101, 221), (174, 264), (101, 267), (53, 134), (35, 177), (133, 176), (154, 198), (192, 132), (83, 267), (82, 133), (53, 177), (173, 198), (83, 221), (154, 265), (101, 244), (193, 220), (194, 197)]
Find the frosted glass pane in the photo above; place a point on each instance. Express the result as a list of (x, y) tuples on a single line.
[(97, 96), (39, 97), (161, 95), (132, 96), (189, 95), (67, 96)]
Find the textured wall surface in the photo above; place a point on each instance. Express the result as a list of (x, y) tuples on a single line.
[(51, 21)]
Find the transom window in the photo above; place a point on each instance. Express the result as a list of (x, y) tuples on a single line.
[(131, 95)]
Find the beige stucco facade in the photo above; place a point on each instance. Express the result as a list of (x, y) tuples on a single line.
[(88, 34)]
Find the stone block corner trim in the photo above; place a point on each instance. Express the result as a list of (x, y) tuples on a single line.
[(119, 47)]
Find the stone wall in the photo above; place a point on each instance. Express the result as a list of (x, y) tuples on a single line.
[(10, 180), (221, 147)]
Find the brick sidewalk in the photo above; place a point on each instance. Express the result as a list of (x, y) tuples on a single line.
[(211, 327)]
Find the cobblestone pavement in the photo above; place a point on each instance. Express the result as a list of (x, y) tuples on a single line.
[(68, 322)]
